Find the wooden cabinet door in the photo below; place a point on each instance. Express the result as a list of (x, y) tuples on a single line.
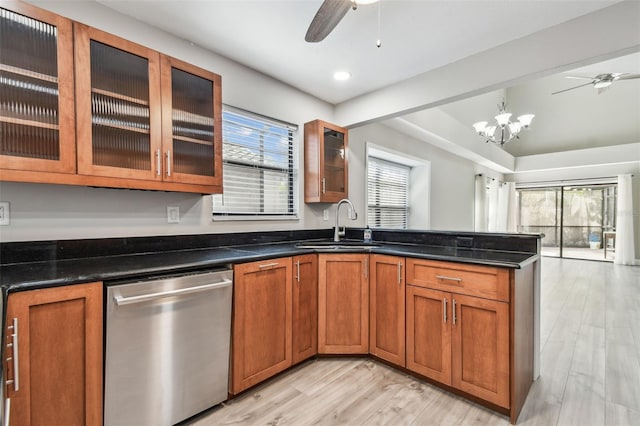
[(59, 335), (343, 303), (261, 345), (305, 307), (387, 308), (191, 124), (37, 121), (325, 162), (118, 106), (480, 348), (429, 333)]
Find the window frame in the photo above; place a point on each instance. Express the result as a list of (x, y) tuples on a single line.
[(292, 173), (371, 156)]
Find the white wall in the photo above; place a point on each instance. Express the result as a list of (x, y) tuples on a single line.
[(41, 212), (452, 177)]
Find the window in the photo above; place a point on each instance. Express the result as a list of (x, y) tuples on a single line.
[(388, 194), (258, 166)]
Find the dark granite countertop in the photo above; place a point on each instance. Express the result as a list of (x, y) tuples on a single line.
[(50, 273)]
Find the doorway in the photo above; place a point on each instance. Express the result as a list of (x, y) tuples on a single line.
[(577, 221)]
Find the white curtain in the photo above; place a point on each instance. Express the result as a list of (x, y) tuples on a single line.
[(480, 205), (494, 207), (506, 208), (625, 252)]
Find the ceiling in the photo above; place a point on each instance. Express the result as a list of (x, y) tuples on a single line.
[(417, 36), (576, 119)]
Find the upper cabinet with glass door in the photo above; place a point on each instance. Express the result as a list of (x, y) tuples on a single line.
[(191, 123), (143, 115), (118, 107), (325, 162), (37, 124)]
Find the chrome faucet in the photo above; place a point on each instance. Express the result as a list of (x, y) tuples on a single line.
[(353, 216)]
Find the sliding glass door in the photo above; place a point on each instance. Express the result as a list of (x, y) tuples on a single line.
[(577, 221)]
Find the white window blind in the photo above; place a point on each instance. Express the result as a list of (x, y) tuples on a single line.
[(388, 194), (258, 166)]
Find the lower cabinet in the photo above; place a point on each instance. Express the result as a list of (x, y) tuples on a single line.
[(54, 373), (305, 307), (455, 337), (429, 333), (387, 308), (343, 303), (480, 348), (262, 321)]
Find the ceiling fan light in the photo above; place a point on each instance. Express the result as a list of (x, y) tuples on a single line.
[(602, 84), (525, 120), (503, 119), (361, 2), (480, 126), (490, 131)]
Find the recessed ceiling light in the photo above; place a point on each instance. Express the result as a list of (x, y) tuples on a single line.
[(342, 75)]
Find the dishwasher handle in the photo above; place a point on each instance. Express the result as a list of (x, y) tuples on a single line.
[(120, 301)]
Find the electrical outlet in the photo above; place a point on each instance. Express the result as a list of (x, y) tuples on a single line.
[(173, 214), (5, 213), (325, 214)]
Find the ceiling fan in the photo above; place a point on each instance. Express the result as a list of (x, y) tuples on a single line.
[(601, 82), (328, 16)]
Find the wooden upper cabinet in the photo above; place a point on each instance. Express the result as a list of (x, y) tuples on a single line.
[(84, 107), (191, 123), (325, 162), (387, 308), (305, 307), (343, 303), (261, 345), (37, 122), (58, 356), (118, 106)]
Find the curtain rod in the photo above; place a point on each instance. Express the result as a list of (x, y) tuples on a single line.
[(562, 182)]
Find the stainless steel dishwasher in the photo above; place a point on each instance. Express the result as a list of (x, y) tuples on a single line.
[(167, 347)]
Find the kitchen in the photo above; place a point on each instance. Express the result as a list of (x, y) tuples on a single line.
[(108, 213)]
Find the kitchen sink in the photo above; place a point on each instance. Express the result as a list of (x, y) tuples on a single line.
[(336, 245)]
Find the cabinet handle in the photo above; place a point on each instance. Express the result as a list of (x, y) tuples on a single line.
[(399, 273), (158, 162), (268, 265), (168, 162), (444, 277), (16, 364), (324, 185), (298, 270), (444, 309), (454, 311)]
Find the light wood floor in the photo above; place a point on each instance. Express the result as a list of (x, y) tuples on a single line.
[(590, 369)]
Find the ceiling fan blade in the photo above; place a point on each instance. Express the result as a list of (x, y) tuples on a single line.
[(571, 88), (327, 17), (628, 77), (578, 77)]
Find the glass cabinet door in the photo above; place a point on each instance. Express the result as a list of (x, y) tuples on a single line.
[(118, 106), (192, 115), (37, 129), (335, 165)]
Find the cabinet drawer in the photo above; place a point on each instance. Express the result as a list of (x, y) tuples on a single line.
[(482, 281)]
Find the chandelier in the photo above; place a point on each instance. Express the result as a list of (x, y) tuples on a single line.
[(505, 130)]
